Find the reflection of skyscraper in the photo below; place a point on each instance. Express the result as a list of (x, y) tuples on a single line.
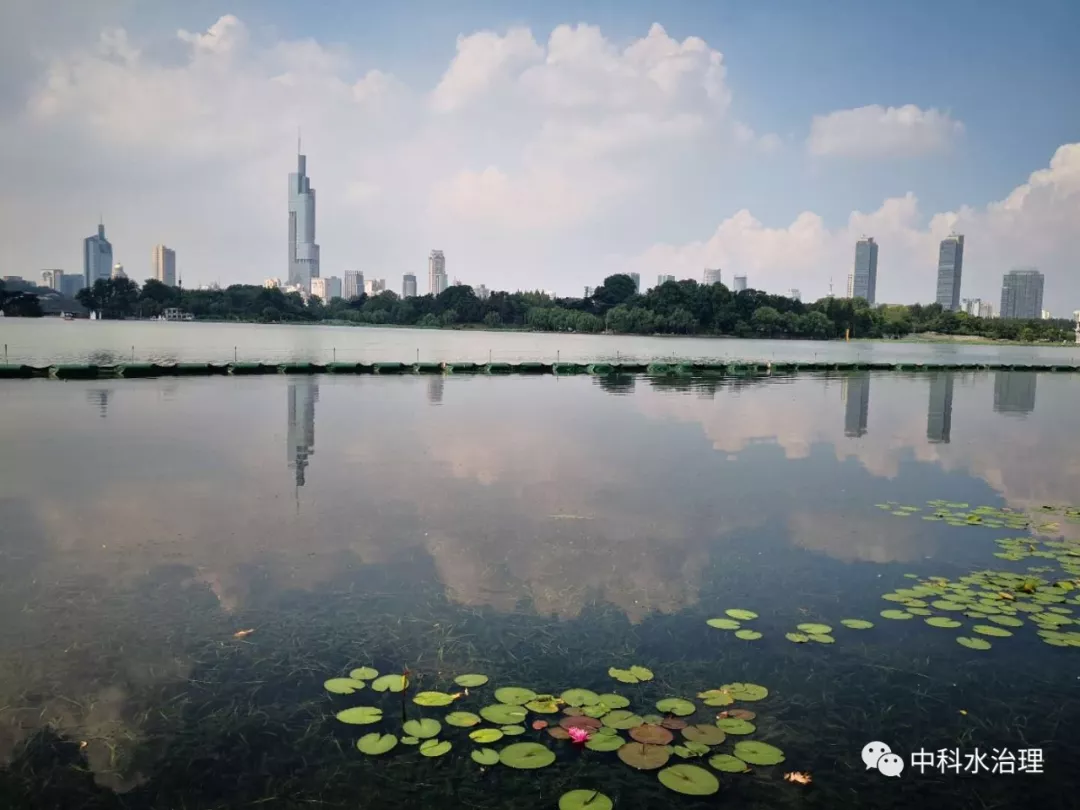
[(435, 388), (303, 395), (100, 397), (939, 411), (855, 391), (1014, 391)]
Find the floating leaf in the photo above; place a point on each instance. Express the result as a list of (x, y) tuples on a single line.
[(584, 800), (434, 748), (622, 675), (821, 638), (857, 624), (512, 731), (433, 699), (705, 733), (652, 719), (526, 756), (758, 753), (723, 624), (989, 630), (943, 621), (485, 735), (798, 638), (605, 742), (558, 733), (471, 680), (613, 701), (652, 734), (746, 691), (580, 697), (1008, 621), (360, 715), (919, 611), (376, 743), (343, 686), (973, 643), (514, 695), (410, 740), (485, 756), (463, 719), (716, 697), (742, 615), (673, 723), (748, 635), (364, 674), (735, 725), (623, 719), (896, 614), (501, 714), (389, 683), (689, 779), (641, 673), (599, 710), (947, 604), (644, 757), (815, 628), (544, 704), (423, 728), (728, 764), (580, 721), (743, 714), (676, 706)]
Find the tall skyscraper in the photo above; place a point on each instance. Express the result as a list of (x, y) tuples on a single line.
[(795, 294), (354, 285), (637, 281), (97, 257), (864, 284), (1014, 391), (165, 265), (300, 432), (482, 292), (53, 279), (71, 284), (374, 286), (712, 276), (950, 266), (1022, 294), (939, 409), (738, 284), (850, 285), (408, 286), (437, 280), (303, 252), (664, 278), (855, 391), (589, 291)]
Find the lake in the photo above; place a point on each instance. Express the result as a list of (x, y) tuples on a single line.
[(44, 341), (185, 562)]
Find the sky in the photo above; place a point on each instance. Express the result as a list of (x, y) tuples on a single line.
[(547, 145)]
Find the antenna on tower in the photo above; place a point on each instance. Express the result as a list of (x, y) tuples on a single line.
[(830, 287), (298, 140)]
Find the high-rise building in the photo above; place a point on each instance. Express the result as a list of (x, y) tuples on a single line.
[(939, 409), (53, 279), (482, 292), (1014, 391), (354, 285), (164, 261), (97, 257), (374, 286), (118, 271), (950, 268), (1047, 315), (711, 276), (437, 280), (864, 284), (589, 291), (795, 294), (986, 309), (1022, 294), (738, 284), (637, 281), (664, 278), (855, 391), (71, 284), (850, 285), (971, 306), (333, 288), (408, 286), (318, 289), (303, 252)]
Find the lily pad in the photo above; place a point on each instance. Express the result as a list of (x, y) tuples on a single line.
[(1007, 621), (740, 614), (814, 628), (410, 740), (364, 674), (822, 638), (758, 753), (723, 624), (580, 697), (676, 706), (641, 673), (433, 699), (613, 701), (748, 635), (463, 719), (652, 719), (423, 728), (544, 704), (514, 695), (651, 734), (622, 719), (622, 675), (585, 800), (471, 680), (360, 715), (343, 686), (485, 735), (705, 733), (973, 643), (896, 614), (644, 757), (857, 624), (580, 721), (735, 725), (716, 697), (728, 764), (605, 742), (501, 714), (389, 683), (673, 723), (743, 714), (990, 630), (512, 731), (689, 779), (798, 638), (376, 743), (526, 756), (599, 710), (434, 748), (943, 621), (558, 733), (746, 691), (947, 604), (485, 756)]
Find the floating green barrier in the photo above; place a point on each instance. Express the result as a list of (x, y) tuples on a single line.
[(250, 368), (388, 368), (568, 368), (659, 368), (600, 368), (843, 366), (13, 372), (498, 368), (344, 368), (462, 368), (427, 368), (632, 368), (138, 370), (532, 367), (300, 368), (68, 372)]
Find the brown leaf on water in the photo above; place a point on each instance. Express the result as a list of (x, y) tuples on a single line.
[(243, 633), (799, 777)]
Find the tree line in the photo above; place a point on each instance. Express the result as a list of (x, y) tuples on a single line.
[(673, 308)]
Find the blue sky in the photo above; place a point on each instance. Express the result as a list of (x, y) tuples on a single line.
[(994, 81)]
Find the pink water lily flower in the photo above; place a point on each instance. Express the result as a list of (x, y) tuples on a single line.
[(579, 735)]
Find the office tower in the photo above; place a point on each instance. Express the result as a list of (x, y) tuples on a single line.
[(165, 265), (794, 294), (482, 292), (588, 292), (437, 280), (71, 284), (53, 279), (986, 309), (374, 286), (318, 289), (850, 285), (738, 284), (118, 271), (353, 286), (333, 288), (1022, 294), (971, 306), (303, 252), (865, 273), (663, 278), (1014, 391), (712, 276), (408, 286), (271, 283), (950, 267), (939, 409), (855, 391), (300, 432), (637, 281), (97, 257)]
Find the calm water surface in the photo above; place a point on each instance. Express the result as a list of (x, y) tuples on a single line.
[(537, 530), (49, 340)]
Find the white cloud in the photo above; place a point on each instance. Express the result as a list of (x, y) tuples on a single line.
[(483, 60), (876, 131)]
